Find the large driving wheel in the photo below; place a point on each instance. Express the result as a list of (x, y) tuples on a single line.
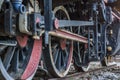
[(20, 61), (80, 55), (58, 53)]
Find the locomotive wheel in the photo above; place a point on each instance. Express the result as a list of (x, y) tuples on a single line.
[(58, 53), (80, 54), (21, 61)]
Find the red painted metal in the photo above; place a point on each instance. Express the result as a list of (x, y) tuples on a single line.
[(56, 23), (86, 46), (37, 20), (105, 1), (63, 44), (22, 40), (68, 35), (115, 15), (70, 55), (34, 60)]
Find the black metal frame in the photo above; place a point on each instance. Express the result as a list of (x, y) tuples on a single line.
[(35, 19), (48, 18), (49, 22), (8, 19)]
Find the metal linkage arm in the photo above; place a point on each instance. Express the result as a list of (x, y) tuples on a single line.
[(65, 23), (68, 35), (68, 23)]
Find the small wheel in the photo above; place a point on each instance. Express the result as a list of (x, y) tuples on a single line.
[(58, 53), (21, 61), (80, 53)]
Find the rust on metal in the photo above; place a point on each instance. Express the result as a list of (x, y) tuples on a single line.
[(56, 23)]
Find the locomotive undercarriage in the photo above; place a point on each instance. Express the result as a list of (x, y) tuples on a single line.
[(74, 30)]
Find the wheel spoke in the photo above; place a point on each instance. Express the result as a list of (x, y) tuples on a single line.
[(2, 48), (59, 60), (22, 55), (63, 58), (67, 54), (26, 48), (15, 61), (66, 58), (79, 53), (56, 55), (54, 47), (8, 57)]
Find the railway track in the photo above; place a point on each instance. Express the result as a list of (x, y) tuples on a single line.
[(83, 74), (95, 68), (79, 75), (117, 70)]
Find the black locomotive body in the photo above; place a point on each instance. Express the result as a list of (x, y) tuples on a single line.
[(51, 34)]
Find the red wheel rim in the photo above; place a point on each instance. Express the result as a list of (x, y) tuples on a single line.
[(34, 59)]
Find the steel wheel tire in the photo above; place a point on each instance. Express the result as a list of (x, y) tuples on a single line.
[(80, 54), (58, 62)]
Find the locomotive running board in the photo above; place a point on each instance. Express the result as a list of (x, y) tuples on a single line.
[(68, 35)]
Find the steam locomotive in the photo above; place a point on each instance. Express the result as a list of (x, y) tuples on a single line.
[(57, 32)]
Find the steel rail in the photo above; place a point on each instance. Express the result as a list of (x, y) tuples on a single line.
[(82, 74)]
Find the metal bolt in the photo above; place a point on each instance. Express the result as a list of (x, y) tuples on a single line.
[(109, 48), (14, 25), (36, 37), (13, 16), (111, 32)]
